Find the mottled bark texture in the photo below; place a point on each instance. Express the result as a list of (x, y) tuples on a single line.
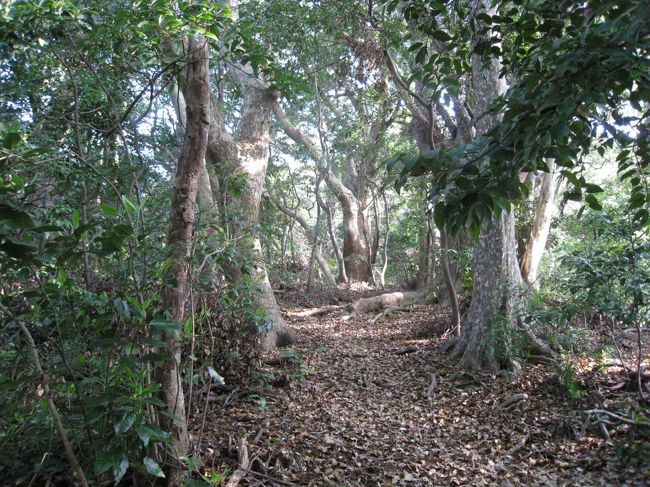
[(245, 156), (179, 241), (541, 226), (243, 207), (496, 275)]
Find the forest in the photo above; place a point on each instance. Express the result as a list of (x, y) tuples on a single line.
[(324, 242)]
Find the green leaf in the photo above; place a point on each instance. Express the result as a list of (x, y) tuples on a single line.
[(75, 218), (15, 218), (152, 467), (440, 35), (120, 468), (593, 202), (105, 460), (108, 210), (147, 432), (129, 204), (125, 422), (169, 327)]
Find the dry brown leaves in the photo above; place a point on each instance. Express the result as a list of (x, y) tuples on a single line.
[(361, 417)]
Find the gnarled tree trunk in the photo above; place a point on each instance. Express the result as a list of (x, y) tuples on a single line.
[(247, 155)]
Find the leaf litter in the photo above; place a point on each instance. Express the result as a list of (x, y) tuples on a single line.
[(354, 411)]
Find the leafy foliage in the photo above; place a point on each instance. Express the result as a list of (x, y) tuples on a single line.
[(579, 74)]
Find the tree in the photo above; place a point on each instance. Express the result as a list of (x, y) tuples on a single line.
[(246, 156), (541, 226), (179, 240), (550, 113)]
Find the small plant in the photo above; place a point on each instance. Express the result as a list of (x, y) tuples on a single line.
[(506, 342), (570, 382)]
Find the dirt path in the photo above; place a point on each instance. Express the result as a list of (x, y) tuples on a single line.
[(351, 411)]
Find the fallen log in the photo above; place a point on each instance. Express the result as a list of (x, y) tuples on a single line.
[(316, 311), (388, 300), (512, 400)]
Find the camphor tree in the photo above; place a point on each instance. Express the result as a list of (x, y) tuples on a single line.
[(578, 83)]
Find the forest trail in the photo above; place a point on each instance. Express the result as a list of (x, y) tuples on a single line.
[(351, 408)]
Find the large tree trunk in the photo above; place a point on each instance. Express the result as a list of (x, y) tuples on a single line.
[(179, 241), (247, 155), (541, 227), (355, 244), (496, 281), (252, 162), (496, 277)]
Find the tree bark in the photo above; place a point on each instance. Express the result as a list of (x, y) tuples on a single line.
[(179, 240), (541, 227), (342, 277), (252, 162), (247, 155), (496, 275)]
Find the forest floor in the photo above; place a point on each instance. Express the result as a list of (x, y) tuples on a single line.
[(349, 406)]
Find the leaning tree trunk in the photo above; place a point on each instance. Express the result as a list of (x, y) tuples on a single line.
[(496, 277), (179, 241), (541, 227)]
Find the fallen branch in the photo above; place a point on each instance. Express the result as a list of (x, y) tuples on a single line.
[(242, 468), (263, 429), (384, 301), (512, 400), (397, 309), (618, 417), (405, 350)]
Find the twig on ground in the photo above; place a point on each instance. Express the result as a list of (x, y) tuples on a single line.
[(519, 445), (263, 429), (431, 391), (512, 400), (405, 350), (242, 468)]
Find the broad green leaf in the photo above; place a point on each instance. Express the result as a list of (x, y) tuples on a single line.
[(120, 468), (152, 467), (108, 210), (125, 422)]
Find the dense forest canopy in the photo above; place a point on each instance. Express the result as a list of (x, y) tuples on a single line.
[(229, 231)]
